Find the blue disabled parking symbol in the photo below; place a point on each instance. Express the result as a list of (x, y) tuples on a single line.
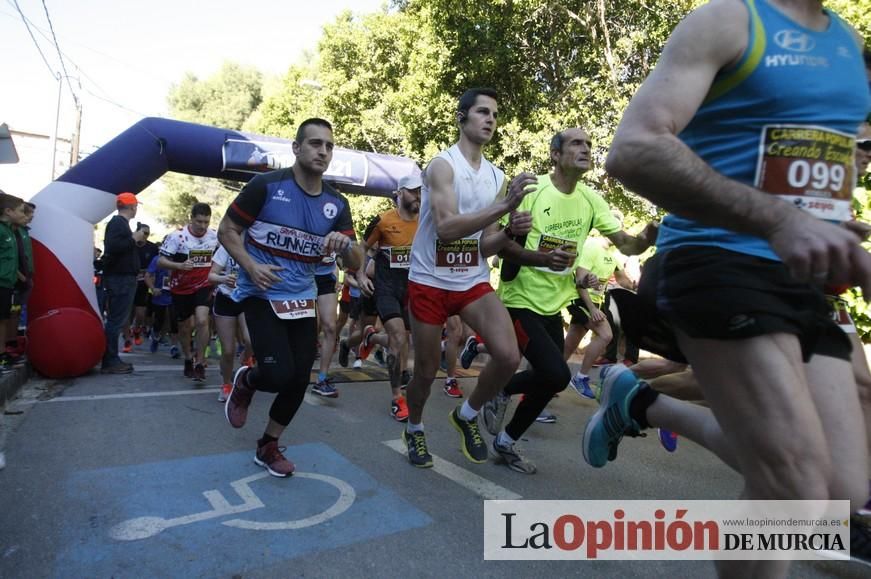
[(162, 518)]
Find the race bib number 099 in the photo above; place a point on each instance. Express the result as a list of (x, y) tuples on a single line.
[(811, 167), (457, 256), (293, 309)]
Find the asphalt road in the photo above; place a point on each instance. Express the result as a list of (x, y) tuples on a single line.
[(141, 476)]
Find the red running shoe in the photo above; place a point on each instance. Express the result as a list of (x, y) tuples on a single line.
[(269, 457), (365, 347)]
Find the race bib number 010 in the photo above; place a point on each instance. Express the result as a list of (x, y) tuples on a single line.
[(400, 257), (458, 256), (201, 257), (548, 243), (293, 309), (809, 166)]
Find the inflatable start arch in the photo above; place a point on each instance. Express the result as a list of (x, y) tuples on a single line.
[(65, 330)]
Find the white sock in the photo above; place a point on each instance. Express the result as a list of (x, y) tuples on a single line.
[(414, 427), (502, 439), (449, 378), (580, 375), (467, 412)]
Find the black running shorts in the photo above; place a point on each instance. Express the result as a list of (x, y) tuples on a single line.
[(391, 296), (186, 304), (326, 284), (225, 307), (713, 293)]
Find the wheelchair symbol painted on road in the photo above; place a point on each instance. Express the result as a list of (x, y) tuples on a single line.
[(145, 527)]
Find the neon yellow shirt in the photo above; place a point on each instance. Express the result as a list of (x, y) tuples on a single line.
[(602, 263), (558, 219)]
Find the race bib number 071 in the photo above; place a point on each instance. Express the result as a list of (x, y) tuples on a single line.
[(458, 256), (811, 167), (293, 309), (201, 257)]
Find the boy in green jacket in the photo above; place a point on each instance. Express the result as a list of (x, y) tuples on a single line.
[(11, 215)]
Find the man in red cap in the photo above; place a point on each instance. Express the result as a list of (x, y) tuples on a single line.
[(120, 267)]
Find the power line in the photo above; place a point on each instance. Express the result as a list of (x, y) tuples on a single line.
[(54, 73), (59, 55)]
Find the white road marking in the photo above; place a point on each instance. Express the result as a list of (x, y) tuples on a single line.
[(145, 527), (211, 391), (477, 484)]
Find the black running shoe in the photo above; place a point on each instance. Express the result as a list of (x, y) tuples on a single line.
[(471, 441), (199, 373), (418, 455), (344, 350)]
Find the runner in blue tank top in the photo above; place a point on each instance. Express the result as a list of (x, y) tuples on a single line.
[(745, 132), (278, 229)]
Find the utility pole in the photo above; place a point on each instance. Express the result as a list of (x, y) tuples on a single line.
[(56, 121), (74, 148)]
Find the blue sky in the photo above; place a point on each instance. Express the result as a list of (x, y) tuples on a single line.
[(130, 52)]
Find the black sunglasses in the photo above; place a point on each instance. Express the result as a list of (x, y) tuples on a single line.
[(864, 144)]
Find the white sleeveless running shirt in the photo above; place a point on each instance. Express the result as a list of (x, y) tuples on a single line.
[(458, 265)]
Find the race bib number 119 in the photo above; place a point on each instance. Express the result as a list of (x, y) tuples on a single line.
[(293, 309), (811, 167)]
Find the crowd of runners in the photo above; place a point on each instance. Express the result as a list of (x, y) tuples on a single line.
[(757, 360)]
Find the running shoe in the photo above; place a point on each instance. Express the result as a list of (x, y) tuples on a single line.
[(137, 340), (358, 363), (611, 421), (379, 357), (326, 389), (236, 407), (199, 373), (508, 454), (119, 368), (418, 455), (344, 350), (270, 457), (546, 417), (365, 347), (174, 352), (493, 412), (668, 440), (452, 388), (188, 368), (581, 385), (399, 409), (128, 347), (471, 441), (224, 392), (470, 351), (155, 343)]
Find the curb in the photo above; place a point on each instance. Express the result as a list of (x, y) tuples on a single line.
[(11, 382)]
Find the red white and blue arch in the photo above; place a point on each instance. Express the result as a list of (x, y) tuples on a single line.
[(65, 334)]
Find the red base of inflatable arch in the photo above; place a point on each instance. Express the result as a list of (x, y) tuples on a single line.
[(65, 342)]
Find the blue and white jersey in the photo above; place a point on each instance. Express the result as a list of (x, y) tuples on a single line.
[(783, 120), (285, 226)]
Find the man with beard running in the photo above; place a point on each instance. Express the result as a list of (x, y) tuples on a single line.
[(392, 233), (278, 229), (187, 253)]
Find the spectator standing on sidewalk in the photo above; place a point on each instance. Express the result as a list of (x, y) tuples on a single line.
[(120, 268)]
